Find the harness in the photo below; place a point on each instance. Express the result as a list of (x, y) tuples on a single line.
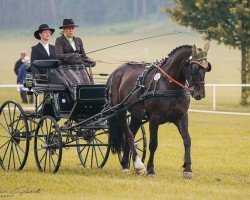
[(186, 90), (156, 77)]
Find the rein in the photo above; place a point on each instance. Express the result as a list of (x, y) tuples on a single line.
[(186, 87), (172, 79)]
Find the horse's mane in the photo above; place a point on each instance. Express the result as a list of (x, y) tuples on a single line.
[(173, 52), (179, 48), (163, 60)]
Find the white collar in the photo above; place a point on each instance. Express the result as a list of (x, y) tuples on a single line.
[(45, 45)]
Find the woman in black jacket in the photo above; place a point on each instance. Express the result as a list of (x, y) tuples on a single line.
[(43, 50), (70, 51)]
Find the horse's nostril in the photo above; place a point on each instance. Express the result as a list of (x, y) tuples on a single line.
[(198, 97)]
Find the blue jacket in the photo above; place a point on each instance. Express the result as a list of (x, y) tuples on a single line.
[(22, 73)]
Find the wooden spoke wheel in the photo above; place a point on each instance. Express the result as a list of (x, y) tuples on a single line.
[(14, 136), (48, 145), (96, 147)]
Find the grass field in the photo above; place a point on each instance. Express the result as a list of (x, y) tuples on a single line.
[(220, 161)]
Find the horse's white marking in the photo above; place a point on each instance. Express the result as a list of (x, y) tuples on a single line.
[(157, 76), (139, 166), (138, 163), (188, 175), (125, 170)]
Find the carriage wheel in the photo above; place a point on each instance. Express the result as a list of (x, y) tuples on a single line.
[(14, 136), (96, 150), (32, 123), (48, 145), (140, 145)]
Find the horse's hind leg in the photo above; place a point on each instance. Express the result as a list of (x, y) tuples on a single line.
[(133, 126), (139, 166), (182, 126)]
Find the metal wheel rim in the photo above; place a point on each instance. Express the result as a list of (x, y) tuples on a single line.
[(15, 132), (48, 145), (91, 156)]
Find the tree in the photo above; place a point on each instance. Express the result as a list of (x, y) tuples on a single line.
[(227, 21)]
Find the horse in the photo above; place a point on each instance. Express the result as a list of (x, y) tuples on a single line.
[(157, 94)]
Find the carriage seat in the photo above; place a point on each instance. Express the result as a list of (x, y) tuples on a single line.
[(47, 72), (46, 64)]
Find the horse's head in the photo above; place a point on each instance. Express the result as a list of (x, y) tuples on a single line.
[(194, 70)]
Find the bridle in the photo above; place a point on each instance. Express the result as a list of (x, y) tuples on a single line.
[(192, 84), (188, 86), (199, 61)]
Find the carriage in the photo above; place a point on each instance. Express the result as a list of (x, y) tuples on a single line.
[(156, 93), (58, 123)]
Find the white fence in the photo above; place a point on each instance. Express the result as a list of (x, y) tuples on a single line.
[(213, 85)]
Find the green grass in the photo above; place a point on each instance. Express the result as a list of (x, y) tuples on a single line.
[(220, 161)]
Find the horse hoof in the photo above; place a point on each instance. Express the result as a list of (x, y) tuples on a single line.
[(125, 170), (141, 171), (188, 175), (151, 175)]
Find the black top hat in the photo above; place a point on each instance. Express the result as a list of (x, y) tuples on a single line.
[(68, 23), (41, 28)]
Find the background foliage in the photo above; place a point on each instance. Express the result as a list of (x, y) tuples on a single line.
[(20, 14), (227, 22)]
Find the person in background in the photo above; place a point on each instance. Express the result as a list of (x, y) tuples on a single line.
[(43, 50), (21, 79), (70, 52), (19, 62)]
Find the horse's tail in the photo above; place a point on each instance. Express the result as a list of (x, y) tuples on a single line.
[(116, 135)]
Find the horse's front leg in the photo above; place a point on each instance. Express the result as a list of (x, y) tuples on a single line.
[(153, 143), (139, 166), (134, 127), (182, 126)]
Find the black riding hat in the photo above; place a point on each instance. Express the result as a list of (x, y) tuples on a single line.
[(41, 28), (68, 23)]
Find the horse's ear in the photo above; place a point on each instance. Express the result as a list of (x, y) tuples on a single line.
[(207, 46), (194, 51)]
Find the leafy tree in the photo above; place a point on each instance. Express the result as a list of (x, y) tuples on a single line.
[(227, 21)]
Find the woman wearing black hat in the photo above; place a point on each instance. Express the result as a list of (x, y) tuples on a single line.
[(70, 52), (43, 50)]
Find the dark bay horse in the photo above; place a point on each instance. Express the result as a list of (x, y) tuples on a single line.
[(157, 94)]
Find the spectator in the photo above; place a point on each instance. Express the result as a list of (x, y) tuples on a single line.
[(21, 78), (19, 62)]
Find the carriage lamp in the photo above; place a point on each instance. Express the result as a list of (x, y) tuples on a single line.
[(29, 81)]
